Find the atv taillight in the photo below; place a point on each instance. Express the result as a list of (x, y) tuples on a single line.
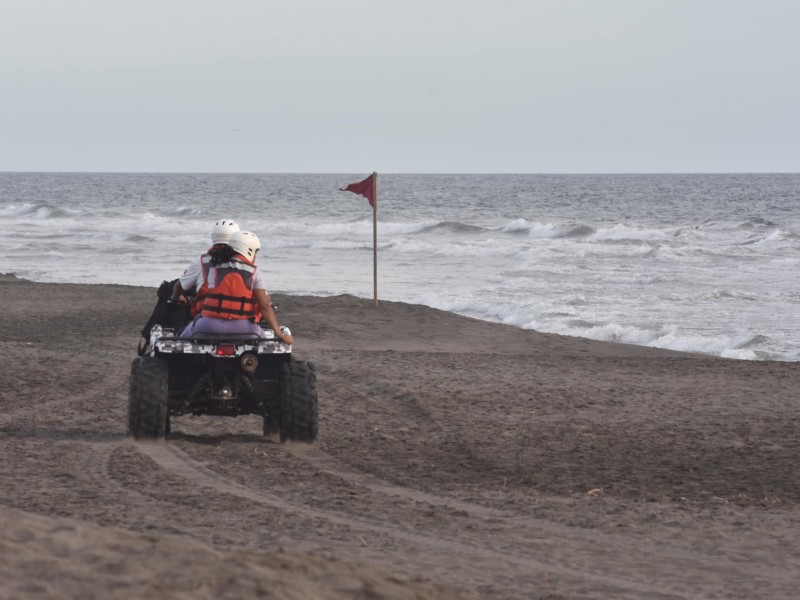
[(226, 350)]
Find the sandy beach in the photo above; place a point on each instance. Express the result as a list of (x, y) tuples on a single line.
[(456, 459)]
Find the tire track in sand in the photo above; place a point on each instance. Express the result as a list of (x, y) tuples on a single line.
[(329, 465), (103, 388), (95, 464), (584, 542), (466, 551)]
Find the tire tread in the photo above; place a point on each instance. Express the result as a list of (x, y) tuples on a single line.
[(147, 410), (298, 402)]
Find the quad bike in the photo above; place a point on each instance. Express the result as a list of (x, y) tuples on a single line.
[(221, 375)]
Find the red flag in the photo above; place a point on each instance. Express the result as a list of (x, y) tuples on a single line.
[(366, 188)]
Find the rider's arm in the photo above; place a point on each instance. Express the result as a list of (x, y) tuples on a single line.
[(177, 293), (265, 304), (188, 281)]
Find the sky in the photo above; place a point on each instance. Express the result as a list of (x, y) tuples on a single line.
[(418, 86)]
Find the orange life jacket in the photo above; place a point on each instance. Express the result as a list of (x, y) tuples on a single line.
[(232, 294)]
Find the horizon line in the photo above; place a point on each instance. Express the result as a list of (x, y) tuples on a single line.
[(31, 172)]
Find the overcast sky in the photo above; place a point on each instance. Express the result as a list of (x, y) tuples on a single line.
[(422, 86)]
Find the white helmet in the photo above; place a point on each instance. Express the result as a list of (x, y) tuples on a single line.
[(222, 231), (245, 243)]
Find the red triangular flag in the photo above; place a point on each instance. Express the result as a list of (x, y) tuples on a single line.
[(366, 188)]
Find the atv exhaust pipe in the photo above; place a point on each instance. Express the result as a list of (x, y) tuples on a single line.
[(249, 363)]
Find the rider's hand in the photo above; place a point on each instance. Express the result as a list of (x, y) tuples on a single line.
[(285, 338)]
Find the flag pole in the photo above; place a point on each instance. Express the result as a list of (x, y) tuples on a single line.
[(375, 236)]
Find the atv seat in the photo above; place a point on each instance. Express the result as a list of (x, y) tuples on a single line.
[(223, 337)]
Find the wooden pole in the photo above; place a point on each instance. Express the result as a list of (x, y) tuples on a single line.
[(375, 235)]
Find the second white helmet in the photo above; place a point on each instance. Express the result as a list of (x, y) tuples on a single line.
[(222, 231), (245, 243)]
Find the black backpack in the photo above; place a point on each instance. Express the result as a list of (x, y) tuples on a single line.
[(167, 314)]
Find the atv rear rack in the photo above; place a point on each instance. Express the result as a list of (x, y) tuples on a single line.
[(164, 341)]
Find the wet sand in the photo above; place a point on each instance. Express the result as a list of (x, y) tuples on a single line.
[(456, 459)]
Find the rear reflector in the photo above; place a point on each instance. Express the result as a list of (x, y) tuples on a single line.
[(226, 350)]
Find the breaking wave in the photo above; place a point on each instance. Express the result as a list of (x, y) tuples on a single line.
[(453, 227), (186, 211), (38, 211), (756, 222), (665, 337), (618, 232)]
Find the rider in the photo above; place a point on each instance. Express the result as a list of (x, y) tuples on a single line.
[(235, 290), (220, 234)]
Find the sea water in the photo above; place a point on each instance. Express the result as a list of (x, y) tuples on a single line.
[(702, 263)]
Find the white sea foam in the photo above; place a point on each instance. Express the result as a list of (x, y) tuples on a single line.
[(483, 248), (520, 225), (623, 232), (665, 338), (339, 245), (538, 230), (365, 227), (186, 211), (37, 211)]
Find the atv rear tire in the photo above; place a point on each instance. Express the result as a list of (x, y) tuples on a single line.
[(147, 404), (298, 402)]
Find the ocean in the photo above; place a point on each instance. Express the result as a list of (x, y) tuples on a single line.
[(701, 263)]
